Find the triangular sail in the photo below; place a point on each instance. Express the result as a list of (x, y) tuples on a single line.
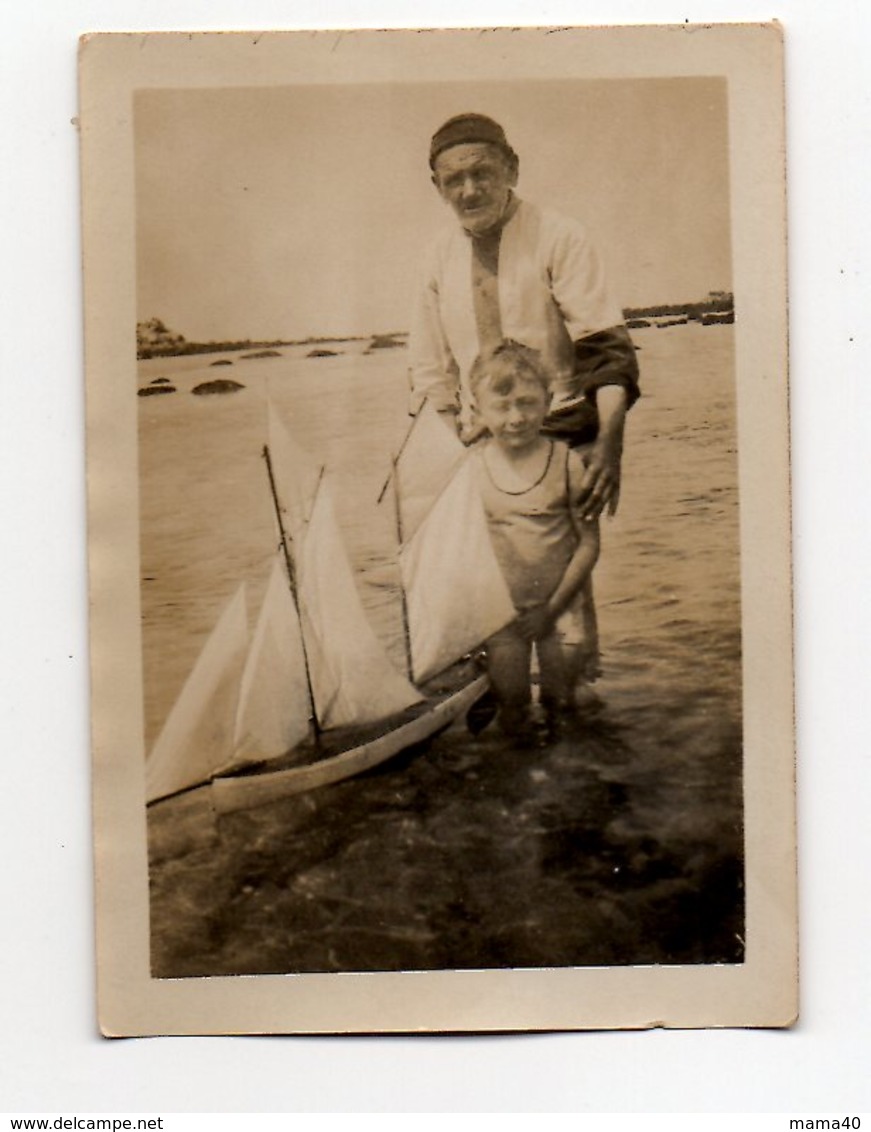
[(197, 738), (455, 591), (295, 475), (352, 677), (428, 459), (275, 709)]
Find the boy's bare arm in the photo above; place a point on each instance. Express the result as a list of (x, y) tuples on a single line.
[(578, 570), (539, 620)]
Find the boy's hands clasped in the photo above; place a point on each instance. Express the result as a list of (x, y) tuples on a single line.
[(535, 623)]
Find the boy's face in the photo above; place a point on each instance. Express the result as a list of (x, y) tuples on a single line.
[(513, 409)]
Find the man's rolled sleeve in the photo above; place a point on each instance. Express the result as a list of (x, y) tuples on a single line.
[(607, 358), (604, 354)]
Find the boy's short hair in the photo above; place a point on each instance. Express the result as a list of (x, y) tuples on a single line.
[(504, 364)]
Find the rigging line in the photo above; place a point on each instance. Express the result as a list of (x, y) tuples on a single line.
[(400, 450), (291, 577), (311, 511)]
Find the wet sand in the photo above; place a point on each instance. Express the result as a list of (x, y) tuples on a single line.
[(465, 854)]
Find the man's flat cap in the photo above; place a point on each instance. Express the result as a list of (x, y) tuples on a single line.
[(465, 128)]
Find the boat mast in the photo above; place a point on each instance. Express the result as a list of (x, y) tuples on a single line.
[(400, 450), (393, 477), (291, 578), (397, 511)]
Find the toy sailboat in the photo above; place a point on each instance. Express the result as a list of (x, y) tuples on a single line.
[(312, 697)]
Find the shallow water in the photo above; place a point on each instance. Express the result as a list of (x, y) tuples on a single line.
[(622, 844)]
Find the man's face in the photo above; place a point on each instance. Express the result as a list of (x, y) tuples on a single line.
[(476, 180)]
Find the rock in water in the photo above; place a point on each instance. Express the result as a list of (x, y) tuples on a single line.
[(219, 386), (384, 342), (150, 390)]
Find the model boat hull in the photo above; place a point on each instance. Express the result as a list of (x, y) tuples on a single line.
[(256, 788)]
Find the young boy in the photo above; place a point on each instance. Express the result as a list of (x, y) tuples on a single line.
[(545, 550)]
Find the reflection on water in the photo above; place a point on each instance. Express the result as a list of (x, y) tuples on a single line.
[(663, 758)]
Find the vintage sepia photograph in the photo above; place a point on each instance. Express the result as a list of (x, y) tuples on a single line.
[(439, 529)]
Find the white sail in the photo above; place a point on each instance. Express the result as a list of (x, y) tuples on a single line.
[(352, 677), (197, 738), (295, 475), (455, 591), (430, 456), (275, 709)]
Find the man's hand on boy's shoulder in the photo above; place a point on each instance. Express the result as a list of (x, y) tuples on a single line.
[(600, 487)]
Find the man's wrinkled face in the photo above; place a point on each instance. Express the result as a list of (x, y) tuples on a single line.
[(475, 179)]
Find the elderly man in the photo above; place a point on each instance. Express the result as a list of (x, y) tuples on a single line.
[(512, 270)]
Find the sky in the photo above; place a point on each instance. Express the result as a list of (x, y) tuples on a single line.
[(296, 211)]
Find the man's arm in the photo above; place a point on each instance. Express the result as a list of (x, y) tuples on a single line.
[(600, 487), (607, 369), (433, 372), (607, 358)]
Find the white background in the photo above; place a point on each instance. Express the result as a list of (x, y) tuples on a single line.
[(51, 1057)]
